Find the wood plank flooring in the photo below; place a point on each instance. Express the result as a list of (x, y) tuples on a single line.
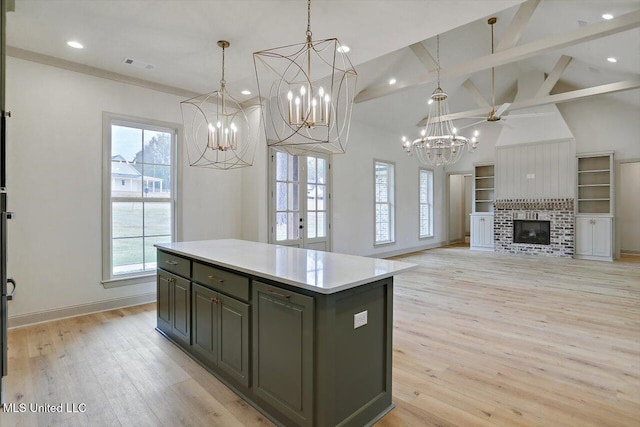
[(480, 339)]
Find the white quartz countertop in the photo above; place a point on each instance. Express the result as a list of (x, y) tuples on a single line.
[(322, 272)]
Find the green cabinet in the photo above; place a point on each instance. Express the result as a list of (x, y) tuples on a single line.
[(174, 306), (221, 332), (283, 351)]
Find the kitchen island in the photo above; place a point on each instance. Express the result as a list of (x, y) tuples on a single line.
[(304, 336)]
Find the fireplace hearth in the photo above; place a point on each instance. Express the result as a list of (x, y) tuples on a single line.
[(534, 232)]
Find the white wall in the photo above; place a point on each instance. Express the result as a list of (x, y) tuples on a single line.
[(353, 222), (54, 166), (628, 206)]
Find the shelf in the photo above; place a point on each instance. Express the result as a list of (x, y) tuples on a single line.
[(484, 201), (593, 200), (594, 185), (485, 188), (484, 177)]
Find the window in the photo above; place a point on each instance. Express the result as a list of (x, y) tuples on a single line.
[(384, 202), (139, 196), (426, 203)]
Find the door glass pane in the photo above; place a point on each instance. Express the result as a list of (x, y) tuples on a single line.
[(126, 219), (293, 168), (311, 197), (311, 225), (322, 171), (322, 224), (281, 226), (157, 219), (294, 193), (281, 196), (311, 169), (320, 201), (156, 148), (127, 255), (281, 166), (293, 219)]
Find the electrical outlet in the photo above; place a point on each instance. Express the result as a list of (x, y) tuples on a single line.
[(359, 319)]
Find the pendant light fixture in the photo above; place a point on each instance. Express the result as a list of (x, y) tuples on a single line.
[(216, 128), (439, 143), (308, 90)]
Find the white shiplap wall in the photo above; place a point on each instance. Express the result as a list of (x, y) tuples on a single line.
[(551, 163)]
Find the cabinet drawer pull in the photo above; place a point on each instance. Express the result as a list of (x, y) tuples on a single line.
[(215, 279), (172, 262), (277, 294)]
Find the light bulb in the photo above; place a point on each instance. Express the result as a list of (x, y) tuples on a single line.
[(404, 138), (454, 130), (303, 91), (321, 92), (313, 102), (326, 98), (423, 132), (290, 96), (233, 127), (476, 133), (297, 100), (211, 127), (219, 125), (430, 101)]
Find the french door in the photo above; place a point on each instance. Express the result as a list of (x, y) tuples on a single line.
[(300, 189)]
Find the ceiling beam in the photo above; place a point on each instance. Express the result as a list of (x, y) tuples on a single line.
[(554, 76), (517, 25), (475, 93), (518, 53), (549, 99), (424, 56)]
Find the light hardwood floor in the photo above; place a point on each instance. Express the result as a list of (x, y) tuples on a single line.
[(479, 339)]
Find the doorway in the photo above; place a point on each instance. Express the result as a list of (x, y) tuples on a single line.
[(300, 200), (627, 207), (459, 189)]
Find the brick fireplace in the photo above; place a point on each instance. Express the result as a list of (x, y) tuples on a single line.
[(558, 212)]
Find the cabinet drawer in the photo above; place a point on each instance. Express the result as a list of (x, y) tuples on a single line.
[(174, 264), (221, 280)]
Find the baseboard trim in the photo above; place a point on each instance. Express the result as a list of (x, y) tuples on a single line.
[(407, 250), (78, 310)]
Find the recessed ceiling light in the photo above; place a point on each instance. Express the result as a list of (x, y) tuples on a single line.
[(392, 81), (343, 49), (74, 44), (246, 92), (612, 59), (607, 16)]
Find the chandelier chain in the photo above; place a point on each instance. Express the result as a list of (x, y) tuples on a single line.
[(493, 76), (309, 20), (222, 81), (438, 56)]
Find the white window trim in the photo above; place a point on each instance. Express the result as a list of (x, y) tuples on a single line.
[(392, 204), (432, 225), (107, 120)]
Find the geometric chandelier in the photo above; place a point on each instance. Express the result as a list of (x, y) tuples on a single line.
[(439, 143), (308, 91), (216, 128)]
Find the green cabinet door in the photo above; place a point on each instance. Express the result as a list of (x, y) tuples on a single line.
[(205, 322), (164, 301), (283, 351), (181, 310), (233, 334)]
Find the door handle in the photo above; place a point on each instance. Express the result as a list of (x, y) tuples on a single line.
[(10, 296), (172, 262), (278, 294), (215, 279)]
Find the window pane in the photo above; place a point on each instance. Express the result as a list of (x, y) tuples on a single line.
[(294, 195), (126, 219), (322, 171), (127, 255), (126, 179), (311, 169), (157, 219), (320, 197), (281, 196), (150, 251), (293, 168), (311, 197), (156, 181), (322, 224), (293, 219), (311, 225), (126, 143), (157, 148), (281, 166)]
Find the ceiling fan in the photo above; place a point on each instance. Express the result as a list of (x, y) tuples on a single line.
[(495, 115)]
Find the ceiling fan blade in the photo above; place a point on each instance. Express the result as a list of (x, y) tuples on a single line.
[(503, 108), (473, 124), (528, 115)]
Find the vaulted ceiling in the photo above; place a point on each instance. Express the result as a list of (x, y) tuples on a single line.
[(178, 39)]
